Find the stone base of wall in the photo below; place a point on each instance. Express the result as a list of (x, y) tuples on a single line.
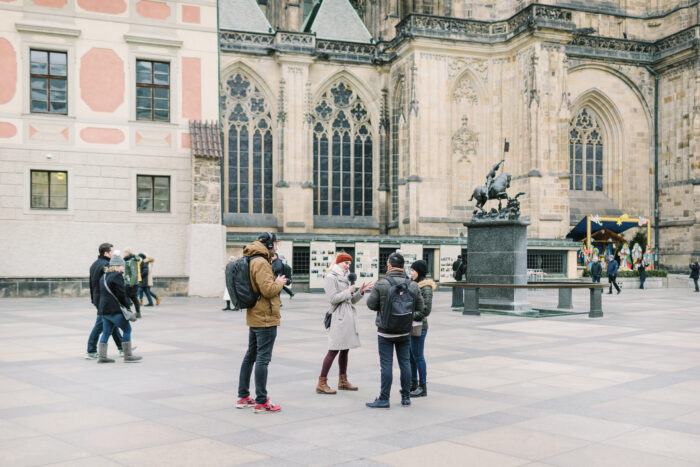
[(37, 287)]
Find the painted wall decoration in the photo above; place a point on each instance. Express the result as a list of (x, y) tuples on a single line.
[(322, 255), (448, 255), (366, 262)]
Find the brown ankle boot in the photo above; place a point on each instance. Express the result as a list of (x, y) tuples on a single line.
[(344, 384), (322, 386)]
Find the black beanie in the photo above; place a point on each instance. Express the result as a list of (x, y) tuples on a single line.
[(421, 267)]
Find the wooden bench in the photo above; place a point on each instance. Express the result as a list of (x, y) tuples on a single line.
[(470, 294)]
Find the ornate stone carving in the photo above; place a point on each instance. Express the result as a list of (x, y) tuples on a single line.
[(464, 142), (281, 113), (465, 92), (457, 65)]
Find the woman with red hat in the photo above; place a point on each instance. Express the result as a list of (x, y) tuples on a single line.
[(344, 331)]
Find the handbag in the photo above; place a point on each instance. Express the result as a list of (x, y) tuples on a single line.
[(417, 329), (128, 314), (327, 319)]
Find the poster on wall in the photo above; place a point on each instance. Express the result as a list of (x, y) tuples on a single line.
[(284, 251), (448, 255), (321, 256), (411, 252), (366, 262)]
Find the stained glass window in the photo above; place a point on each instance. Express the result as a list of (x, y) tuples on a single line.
[(249, 146), (342, 154), (585, 152)]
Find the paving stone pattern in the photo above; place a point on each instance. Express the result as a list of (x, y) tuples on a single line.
[(568, 391)]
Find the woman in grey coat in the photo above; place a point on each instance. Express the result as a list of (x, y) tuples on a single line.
[(344, 331)]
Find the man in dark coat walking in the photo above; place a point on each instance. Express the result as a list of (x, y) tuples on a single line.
[(459, 267), (596, 270), (695, 274), (96, 272), (612, 274)]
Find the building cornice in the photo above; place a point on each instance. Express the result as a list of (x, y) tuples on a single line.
[(40, 28), (153, 41)]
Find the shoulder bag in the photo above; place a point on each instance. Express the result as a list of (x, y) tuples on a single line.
[(128, 314)]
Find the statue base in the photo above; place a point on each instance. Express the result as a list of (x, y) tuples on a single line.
[(497, 254)]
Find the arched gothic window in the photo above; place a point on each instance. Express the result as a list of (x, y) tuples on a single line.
[(248, 147), (342, 152), (585, 152)]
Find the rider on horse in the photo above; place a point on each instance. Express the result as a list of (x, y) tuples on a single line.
[(491, 175)]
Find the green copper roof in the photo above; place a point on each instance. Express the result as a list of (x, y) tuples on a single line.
[(242, 15), (336, 20)]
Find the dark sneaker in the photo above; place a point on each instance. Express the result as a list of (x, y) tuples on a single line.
[(405, 401), (378, 404), (267, 407), (91, 356), (245, 403)]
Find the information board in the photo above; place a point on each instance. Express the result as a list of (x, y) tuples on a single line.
[(448, 255), (366, 262), (411, 252), (321, 256)]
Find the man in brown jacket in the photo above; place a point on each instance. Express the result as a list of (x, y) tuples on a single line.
[(262, 320)]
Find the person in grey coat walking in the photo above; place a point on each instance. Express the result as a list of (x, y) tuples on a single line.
[(344, 333)]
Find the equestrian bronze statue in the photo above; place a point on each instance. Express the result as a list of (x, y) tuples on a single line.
[(495, 188)]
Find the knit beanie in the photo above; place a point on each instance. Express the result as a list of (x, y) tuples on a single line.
[(116, 261), (342, 257), (421, 267)]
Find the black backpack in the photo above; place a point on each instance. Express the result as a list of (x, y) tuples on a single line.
[(397, 313), (238, 283)]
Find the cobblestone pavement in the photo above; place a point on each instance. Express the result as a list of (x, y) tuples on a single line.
[(568, 391)]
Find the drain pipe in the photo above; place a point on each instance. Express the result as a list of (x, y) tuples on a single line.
[(656, 163)]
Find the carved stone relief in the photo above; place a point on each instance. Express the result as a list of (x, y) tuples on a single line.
[(464, 92), (457, 65), (464, 142)]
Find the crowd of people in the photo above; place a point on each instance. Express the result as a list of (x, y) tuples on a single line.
[(401, 302), (116, 283)]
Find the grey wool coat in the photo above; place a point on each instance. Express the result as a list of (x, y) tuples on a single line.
[(344, 331)]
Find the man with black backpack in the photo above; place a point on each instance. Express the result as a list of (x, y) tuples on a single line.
[(394, 297), (252, 285)]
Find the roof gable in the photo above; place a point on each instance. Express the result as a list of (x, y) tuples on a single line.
[(336, 20), (243, 15)]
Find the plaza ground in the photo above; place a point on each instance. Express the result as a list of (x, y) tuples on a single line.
[(503, 391)]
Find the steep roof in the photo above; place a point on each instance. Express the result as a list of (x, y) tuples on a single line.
[(243, 15), (336, 20)]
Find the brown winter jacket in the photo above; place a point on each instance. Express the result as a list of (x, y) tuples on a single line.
[(266, 312)]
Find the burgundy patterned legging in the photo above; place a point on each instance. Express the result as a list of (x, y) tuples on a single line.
[(328, 361)]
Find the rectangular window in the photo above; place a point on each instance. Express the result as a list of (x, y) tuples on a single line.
[(300, 261), (49, 189), (48, 78), (152, 193), (152, 91), (550, 262)]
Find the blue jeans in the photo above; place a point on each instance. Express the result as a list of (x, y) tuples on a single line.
[(149, 294), (386, 361), (108, 324), (417, 358), (260, 344), (95, 335)]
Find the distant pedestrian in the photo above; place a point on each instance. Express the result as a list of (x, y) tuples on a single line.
[(596, 270), (695, 274), (132, 278), (459, 268), (642, 274), (112, 297), (96, 271), (389, 339), (344, 333), (419, 269), (612, 274), (147, 280), (227, 297), (262, 320), (280, 269)]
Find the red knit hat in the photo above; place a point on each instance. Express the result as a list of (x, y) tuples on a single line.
[(342, 257)]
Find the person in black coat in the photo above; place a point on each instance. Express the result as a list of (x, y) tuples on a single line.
[(112, 298), (459, 267), (96, 271), (642, 274), (695, 274), (279, 269), (596, 270)]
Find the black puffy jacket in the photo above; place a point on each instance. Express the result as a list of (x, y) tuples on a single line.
[(108, 305), (96, 271)]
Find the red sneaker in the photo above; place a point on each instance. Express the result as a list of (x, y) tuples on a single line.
[(267, 407), (245, 403)]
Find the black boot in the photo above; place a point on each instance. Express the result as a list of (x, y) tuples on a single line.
[(421, 391), (228, 306), (414, 385)]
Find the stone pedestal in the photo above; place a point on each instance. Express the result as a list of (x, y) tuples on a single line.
[(497, 254)]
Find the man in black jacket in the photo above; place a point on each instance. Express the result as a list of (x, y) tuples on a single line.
[(695, 274), (96, 272), (596, 269)]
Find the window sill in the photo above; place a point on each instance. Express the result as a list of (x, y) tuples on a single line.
[(47, 115), (154, 123)]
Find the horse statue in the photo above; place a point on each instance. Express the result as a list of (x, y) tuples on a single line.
[(496, 191)]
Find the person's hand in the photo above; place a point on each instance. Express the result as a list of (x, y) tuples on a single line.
[(366, 286), (282, 279), (352, 288)]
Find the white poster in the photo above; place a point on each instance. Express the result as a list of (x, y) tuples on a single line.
[(411, 252), (448, 255), (322, 255), (366, 262)]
